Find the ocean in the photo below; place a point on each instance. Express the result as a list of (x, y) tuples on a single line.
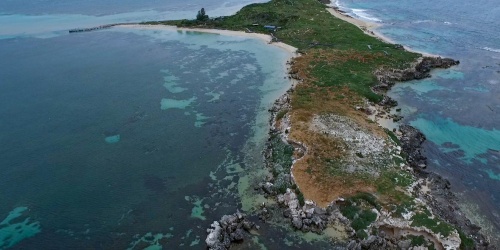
[(139, 139), (129, 138), (458, 109)]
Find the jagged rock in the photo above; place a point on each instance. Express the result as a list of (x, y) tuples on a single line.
[(404, 244), (281, 199), (411, 140), (307, 222), (297, 222), (267, 187), (318, 222), (387, 77), (353, 245), (237, 235), (309, 213), (264, 214), (247, 225), (429, 63), (215, 237), (388, 102), (229, 228), (287, 213), (399, 46), (319, 211)]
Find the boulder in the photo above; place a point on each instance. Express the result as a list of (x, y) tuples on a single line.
[(230, 228)]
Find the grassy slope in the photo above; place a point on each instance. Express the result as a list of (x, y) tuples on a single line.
[(337, 68)]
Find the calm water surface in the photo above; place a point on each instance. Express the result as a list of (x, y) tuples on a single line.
[(129, 138)]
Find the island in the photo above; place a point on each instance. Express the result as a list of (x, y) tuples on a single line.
[(331, 165)]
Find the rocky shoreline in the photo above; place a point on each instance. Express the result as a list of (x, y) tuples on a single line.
[(306, 216), (439, 197), (229, 229)]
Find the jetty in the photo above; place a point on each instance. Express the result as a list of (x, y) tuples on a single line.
[(100, 27)]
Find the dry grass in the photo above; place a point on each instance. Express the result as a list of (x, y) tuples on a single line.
[(313, 172)]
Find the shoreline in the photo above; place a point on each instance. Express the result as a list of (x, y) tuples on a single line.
[(266, 38), (370, 28), (324, 215), (389, 118)]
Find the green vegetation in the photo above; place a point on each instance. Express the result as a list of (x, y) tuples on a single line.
[(423, 219), (361, 234), (417, 240), (202, 16), (366, 197), (282, 153), (300, 197), (358, 209), (337, 68), (281, 114), (393, 136), (403, 207), (307, 25), (467, 243), (393, 178), (280, 164), (421, 241)]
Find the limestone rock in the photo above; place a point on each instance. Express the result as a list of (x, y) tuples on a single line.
[(230, 228)]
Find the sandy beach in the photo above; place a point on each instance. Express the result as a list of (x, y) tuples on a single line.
[(370, 29), (266, 38)]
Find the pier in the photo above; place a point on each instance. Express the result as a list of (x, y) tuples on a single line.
[(100, 27)]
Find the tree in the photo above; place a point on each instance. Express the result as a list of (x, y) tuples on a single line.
[(201, 16)]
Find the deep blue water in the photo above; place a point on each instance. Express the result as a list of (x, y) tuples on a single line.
[(458, 109)]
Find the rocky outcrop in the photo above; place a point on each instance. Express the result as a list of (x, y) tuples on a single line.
[(230, 228), (372, 243), (388, 77), (308, 217), (439, 197), (427, 63), (443, 202), (411, 141)]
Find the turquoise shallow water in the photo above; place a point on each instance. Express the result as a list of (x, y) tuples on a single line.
[(89, 158), (129, 138), (458, 109)]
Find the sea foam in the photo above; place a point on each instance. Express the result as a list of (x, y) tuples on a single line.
[(491, 49), (362, 14)]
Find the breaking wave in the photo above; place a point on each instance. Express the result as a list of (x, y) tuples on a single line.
[(491, 49), (362, 14)]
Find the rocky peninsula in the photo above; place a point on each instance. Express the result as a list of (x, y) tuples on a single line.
[(330, 166)]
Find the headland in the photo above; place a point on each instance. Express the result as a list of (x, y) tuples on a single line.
[(330, 166)]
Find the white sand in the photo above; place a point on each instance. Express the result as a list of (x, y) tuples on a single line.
[(369, 28), (365, 26), (267, 38)]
